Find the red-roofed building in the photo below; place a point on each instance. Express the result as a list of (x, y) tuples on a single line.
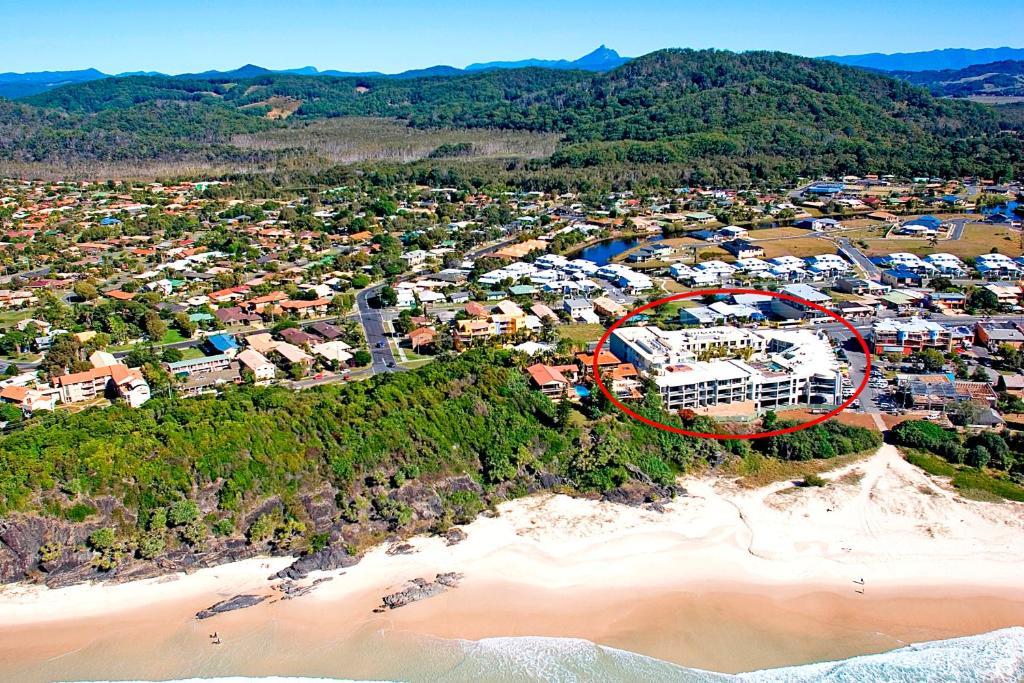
[(126, 382), (119, 295), (420, 337), (306, 309)]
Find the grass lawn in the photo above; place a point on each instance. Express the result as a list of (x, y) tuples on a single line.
[(172, 336), (671, 286), (863, 224), (876, 231), (191, 353), (581, 332), (798, 246), (775, 233), (8, 318), (409, 355)]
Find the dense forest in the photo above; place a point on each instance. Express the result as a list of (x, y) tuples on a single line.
[(774, 115), (344, 464)]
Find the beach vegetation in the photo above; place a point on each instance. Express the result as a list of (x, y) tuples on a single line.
[(980, 464), (258, 450), (813, 479)]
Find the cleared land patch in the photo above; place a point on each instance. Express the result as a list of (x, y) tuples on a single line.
[(978, 238), (354, 139)]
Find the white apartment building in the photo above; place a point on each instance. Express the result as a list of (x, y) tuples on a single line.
[(768, 368)]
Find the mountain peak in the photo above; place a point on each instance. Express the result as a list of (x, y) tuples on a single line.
[(601, 56)]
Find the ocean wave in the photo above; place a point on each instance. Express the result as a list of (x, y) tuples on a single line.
[(996, 657)]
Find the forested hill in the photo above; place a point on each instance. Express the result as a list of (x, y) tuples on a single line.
[(771, 113)]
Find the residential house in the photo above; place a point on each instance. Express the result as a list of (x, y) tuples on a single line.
[(294, 356), (997, 267), (326, 331), (580, 309), (294, 335), (306, 309), (743, 249), (222, 344), (607, 307), (258, 364), (119, 380), (236, 315), (550, 380), (334, 352), (421, 337)]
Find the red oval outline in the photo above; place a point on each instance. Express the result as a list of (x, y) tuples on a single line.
[(759, 435)]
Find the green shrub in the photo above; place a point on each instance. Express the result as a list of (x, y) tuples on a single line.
[(102, 539), (79, 512)]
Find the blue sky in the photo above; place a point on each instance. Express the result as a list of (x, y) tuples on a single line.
[(391, 35)]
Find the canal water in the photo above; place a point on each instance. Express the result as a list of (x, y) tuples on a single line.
[(1006, 208), (603, 252)]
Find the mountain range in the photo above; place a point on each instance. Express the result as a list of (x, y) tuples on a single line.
[(16, 85), (701, 116), (930, 60), (996, 79)]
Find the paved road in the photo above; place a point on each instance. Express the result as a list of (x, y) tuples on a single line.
[(854, 254), (856, 359), (958, 228), (491, 247), (373, 324), (27, 274)]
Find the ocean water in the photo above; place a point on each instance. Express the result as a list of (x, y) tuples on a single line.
[(996, 657)]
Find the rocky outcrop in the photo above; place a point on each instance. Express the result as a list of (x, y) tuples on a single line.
[(22, 538), (454, 535), (327, 559), (421, 589), (230, 605), (424, 501), (320, 507)]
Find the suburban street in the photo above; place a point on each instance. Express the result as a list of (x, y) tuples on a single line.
[(373, 324), (854, 254)]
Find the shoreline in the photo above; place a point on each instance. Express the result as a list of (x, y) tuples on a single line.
[(775, 566)]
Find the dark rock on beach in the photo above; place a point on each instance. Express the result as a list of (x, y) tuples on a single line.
[(455, 535), (421, 589), (327, 559), (401, 549), (230, 605), (291, 590)]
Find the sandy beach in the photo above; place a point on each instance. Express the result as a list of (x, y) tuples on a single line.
[(726, 579)]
